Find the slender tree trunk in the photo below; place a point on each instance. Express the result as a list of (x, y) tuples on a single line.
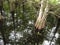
[(40, 23), (4, 39), (2, 22), (57, 27), (2, 31), (12, 10)]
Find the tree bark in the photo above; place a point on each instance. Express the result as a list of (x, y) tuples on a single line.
[(40, 23), (2, 32), (1, 22), (12, 5), (57, 27), (12, 10)]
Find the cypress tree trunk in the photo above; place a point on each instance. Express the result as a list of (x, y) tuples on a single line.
[(2, 22), (57, 27), (40, 23), (2, 30), (12, 10)]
